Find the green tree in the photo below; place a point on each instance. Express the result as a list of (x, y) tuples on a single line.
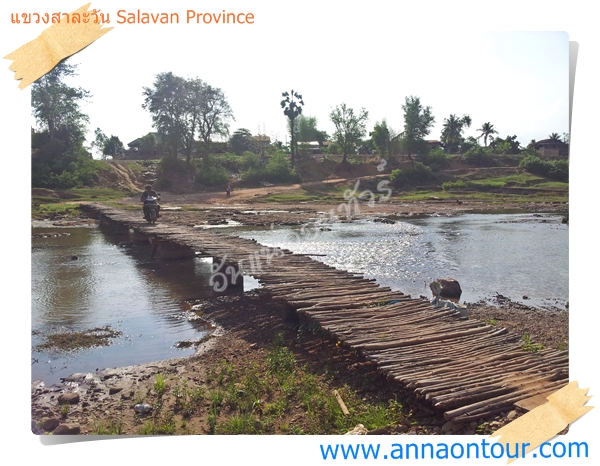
[(452, 132), (56, 106), (213, 112), (307, 131), (148, 145), (350, 128), (292, 109), (113, 147), (418, 121), (99, 142), (166, 102), (183, 108), (486, 130), (240, 141), (381, 138), (59, 159), (555, 137), (510, 145)]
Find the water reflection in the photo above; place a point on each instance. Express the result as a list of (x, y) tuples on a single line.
[(110, 285)]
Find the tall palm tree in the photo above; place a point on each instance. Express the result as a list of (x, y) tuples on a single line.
[(451, 132), (487, 129)]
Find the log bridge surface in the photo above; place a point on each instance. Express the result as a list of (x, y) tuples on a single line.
[(467, 369)]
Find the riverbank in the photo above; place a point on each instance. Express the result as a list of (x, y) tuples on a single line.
[(260, 372)]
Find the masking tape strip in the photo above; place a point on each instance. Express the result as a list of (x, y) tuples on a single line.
[(544, 422), (61, 40)]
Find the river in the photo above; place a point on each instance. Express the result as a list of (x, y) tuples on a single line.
[(516, 255)]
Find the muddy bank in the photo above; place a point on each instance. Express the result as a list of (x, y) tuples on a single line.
[(548, 327), (231, 378)]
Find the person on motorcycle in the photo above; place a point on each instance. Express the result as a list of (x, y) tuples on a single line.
[(228, 190), (149, 192)]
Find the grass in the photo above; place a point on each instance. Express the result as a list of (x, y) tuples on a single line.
[(47, 203), (111, 427), (488, 198), (274, 395), (160, 385), (159, 426), (257, 399), (529, 346)]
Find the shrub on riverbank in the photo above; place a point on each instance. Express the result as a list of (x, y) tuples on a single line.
[(554, 169), (276, 170)]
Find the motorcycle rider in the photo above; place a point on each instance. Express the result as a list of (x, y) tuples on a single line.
[(149, 192), (228, 190)]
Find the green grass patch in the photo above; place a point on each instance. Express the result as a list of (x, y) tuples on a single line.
[(257, 399), (110, 427), (47, 203), (134, 165), (528, 345), (558, 185), (488, 198)]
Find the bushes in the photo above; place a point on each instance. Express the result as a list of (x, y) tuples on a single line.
[(419, 173), (207, 172), (554, 169), (52, 168), (277, 169), (458, 184), (436, 159), (172, 173), (478, 156)]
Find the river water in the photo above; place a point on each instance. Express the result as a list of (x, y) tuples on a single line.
[(110, 285), (515, 255)]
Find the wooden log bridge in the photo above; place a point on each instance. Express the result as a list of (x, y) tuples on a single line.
[(467, 369)]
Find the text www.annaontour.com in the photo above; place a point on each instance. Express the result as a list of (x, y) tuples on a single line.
[(445, 451)]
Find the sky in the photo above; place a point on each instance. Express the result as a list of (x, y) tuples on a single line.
[(370, 55), (516, 81)]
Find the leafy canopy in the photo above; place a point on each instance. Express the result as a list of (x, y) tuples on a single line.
[(56, 106), (350, 128), (182, 108), (418, 121)]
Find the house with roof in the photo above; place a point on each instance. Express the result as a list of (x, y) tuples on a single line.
[(552, 148)]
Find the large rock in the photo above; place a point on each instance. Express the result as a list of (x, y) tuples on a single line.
[(69, 398), (50, 424), (450, 288), (67, 429)]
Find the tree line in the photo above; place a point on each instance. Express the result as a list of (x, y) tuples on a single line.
[(189, 114)]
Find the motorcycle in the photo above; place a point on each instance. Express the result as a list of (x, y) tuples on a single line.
[(151, 209)]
